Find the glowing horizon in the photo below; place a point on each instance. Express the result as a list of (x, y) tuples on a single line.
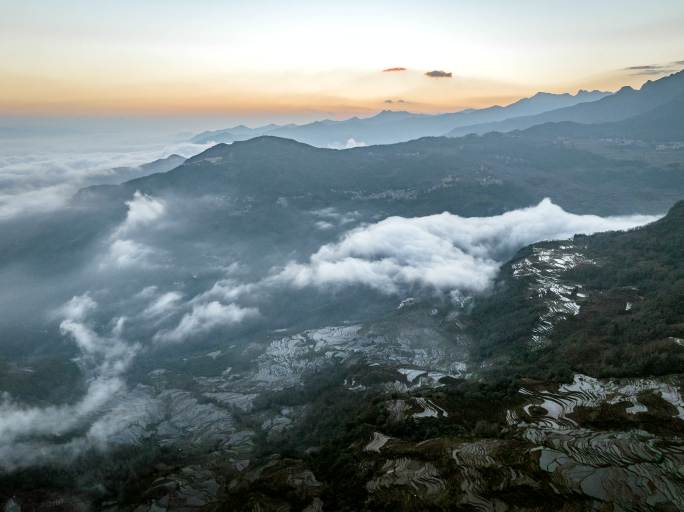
[(327, 59)]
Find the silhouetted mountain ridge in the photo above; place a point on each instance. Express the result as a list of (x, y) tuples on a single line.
[(663, 123), (478, 175), (625, 103), (391, 126)]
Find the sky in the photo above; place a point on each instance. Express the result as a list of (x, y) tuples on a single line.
[(297, 60)]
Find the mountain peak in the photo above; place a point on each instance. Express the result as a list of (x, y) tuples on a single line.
[(269, 141), (587, 92), (392, 113), (676, 213), (257, 148), (625, 89), (543, 94), (671, 80), (266, 143)]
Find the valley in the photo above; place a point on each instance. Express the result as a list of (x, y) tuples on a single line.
[(490, 320)]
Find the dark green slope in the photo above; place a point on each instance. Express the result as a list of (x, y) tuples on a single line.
[(469, 176), (631, 321)]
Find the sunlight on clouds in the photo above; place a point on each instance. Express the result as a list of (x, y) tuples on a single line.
[(196, 61)]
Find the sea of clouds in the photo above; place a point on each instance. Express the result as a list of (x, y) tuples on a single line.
[(442, 252), (437, 254), (44, 181)]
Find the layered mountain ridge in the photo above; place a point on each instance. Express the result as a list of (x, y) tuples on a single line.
[(390, 126), (270, 325), (624, 104)]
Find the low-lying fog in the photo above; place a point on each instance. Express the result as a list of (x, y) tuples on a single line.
[(44, 161), (162, 280)]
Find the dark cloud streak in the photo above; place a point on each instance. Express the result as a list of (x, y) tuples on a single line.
[(437, 73), (655, 69)]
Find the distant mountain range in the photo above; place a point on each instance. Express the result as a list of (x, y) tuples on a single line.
[(663, 123), (625, 104), (481, 175), (121, 174), (651, 113), (389, 126)]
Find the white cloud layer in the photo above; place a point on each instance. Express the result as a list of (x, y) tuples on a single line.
[(142, 210), (128, 253), (438, 253), (104, 359), (123, 251), (205, 317), (44, 182), (442, 252), (25, 431), (351, 143), (163, 305)]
